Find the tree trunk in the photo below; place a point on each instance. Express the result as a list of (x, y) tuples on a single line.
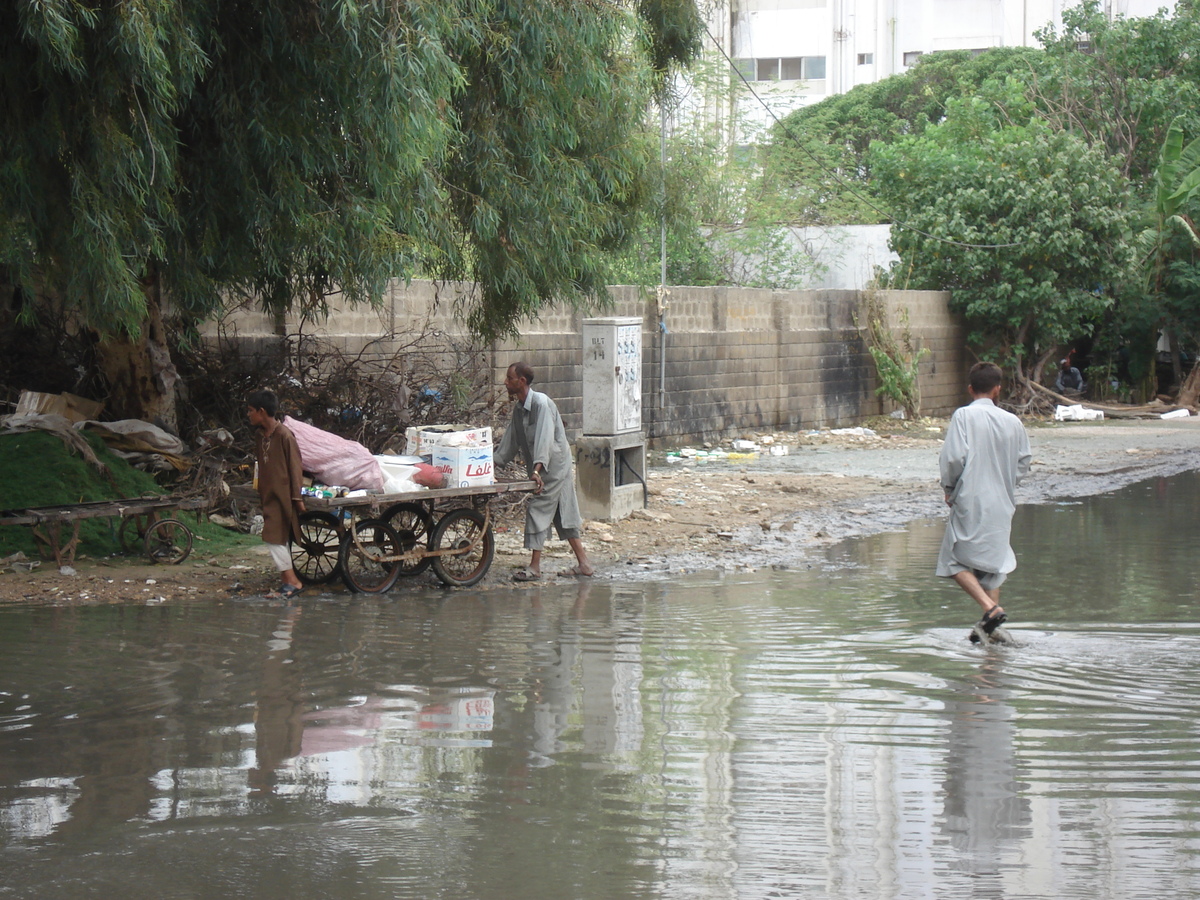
[(1189, 392), (141, 377), (1039, 367)]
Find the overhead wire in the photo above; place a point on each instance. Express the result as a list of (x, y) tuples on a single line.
[(838, 178)]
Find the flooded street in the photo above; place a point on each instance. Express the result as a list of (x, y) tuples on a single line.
[(819, 732)]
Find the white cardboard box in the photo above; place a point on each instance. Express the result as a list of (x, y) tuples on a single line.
[(420, 439), (464, 466)]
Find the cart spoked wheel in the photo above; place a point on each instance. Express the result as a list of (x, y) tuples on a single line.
[(315, 551), (359, 559), (414, 526), (168, 541), (467, 546), (132, 534)]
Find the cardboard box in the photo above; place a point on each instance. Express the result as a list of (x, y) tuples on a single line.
[(464, 466), (420, 439), (70, 406)]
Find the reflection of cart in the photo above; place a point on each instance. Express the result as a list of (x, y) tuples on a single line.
[(374, 539), (143, 526)]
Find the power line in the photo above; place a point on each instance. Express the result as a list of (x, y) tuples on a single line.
[(838, 178)]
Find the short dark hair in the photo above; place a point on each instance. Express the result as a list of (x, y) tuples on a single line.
[(522, 369), (984, 376), (264, 400)]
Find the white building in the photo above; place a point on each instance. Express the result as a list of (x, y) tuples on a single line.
[(797, 52)]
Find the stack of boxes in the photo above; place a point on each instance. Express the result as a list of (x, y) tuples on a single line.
[(463, 453)]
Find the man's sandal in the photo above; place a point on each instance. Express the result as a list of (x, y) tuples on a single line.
[(987, 625), (994, 619)]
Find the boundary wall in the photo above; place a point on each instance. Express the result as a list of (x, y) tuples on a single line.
[(731, 360)]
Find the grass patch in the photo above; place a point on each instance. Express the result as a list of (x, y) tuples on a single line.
[(40, 470)]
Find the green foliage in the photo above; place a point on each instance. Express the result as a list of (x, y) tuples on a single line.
[(43, 472), (284, 150), (723, 225), (897, 356), (818, 157), (1060, 204), (1162, 288), (1136, 76)]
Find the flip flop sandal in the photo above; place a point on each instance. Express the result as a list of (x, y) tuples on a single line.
[(526, 575), (993, 620), (573, 572), (284, 592)]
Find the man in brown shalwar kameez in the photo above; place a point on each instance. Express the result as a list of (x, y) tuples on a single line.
[(279, 478)]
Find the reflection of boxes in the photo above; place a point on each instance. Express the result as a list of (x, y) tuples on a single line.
[(464, 466), (420, 439)]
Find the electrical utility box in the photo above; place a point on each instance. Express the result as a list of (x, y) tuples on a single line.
[(612, 375), (610, 456)]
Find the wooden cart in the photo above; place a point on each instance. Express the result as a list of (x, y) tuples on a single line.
[(373, 540), (146, 526)]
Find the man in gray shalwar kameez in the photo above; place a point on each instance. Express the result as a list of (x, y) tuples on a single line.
[(536, 432), (985, 454)]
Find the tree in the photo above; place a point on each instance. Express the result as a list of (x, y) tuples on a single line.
[(1161, 294), (817, 159), (1023, 225), (282, 150), (1120, 83)]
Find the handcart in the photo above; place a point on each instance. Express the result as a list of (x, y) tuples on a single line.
[(146, 526), (373, 540)]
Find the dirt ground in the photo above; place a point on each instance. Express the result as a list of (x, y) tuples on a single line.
[(746, 512)]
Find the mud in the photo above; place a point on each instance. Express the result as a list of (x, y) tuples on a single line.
[(734, 514)]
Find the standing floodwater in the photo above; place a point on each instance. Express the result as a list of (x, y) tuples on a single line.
[(818, 733)]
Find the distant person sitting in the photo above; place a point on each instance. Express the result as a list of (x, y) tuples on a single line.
[(1069, 380)]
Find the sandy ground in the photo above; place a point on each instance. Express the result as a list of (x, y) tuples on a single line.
[(743, 514)]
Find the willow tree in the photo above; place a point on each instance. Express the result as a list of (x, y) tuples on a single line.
[(284, 150)]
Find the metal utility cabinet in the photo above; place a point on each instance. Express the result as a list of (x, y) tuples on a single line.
[(610, 457)]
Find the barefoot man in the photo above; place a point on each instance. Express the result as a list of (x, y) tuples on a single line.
[(986, 453), (536, 432)]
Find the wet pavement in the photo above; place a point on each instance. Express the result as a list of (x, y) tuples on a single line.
[(817, 732)]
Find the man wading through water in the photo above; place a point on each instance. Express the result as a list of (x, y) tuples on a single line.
[(985, 454), (536, 432)]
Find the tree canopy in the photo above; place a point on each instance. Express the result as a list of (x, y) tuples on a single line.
[(817, 158), (286, 149), (1024, 225)]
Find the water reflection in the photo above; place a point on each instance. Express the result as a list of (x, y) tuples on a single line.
[(827, 733)]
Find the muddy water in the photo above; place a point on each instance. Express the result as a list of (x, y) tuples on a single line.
[(825, 732)]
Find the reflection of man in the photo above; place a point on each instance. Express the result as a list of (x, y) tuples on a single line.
[(985, 454), (1069, 380), (537, 433), (984, 815)]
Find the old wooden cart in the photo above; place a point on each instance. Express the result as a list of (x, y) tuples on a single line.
[(146, 526), (373, 540)]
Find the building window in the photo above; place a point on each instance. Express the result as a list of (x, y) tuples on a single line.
[(866, 59), (911, 57), (787, 68)]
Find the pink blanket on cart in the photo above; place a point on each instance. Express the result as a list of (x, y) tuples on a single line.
[(335, 460)]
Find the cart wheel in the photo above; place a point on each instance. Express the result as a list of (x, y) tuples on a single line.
[(315, 552), (168, 541), (360, 570), (414, 526), (458, 530), (131, 534)]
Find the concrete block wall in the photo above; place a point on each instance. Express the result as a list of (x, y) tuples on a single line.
[(737, 360)]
